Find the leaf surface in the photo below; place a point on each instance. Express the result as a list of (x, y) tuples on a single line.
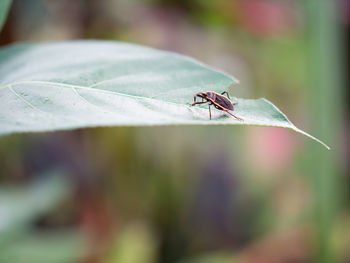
[(89, 83)]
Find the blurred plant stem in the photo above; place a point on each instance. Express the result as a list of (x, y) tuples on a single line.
[(4, 8), (326, 102)]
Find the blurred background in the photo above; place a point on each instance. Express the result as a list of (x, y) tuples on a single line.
[(190, 194)]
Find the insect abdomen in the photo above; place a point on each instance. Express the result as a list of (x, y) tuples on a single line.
[(221, 100), (225, 102)]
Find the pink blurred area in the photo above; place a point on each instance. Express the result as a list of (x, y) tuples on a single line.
[(268, 18), (272, 149)]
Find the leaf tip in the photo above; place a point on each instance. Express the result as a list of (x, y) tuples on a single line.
[(313, 138)]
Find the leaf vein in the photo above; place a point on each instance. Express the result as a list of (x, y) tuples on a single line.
[(88, 102), (65, 85), (25, 100)]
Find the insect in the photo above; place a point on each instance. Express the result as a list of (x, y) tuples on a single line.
[(219, 101)]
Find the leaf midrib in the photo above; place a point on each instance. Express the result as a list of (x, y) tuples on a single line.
[(89, 88)]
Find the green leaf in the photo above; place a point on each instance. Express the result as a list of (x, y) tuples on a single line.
[(67, 85), (4, 8), (20, 206), (43, 247)]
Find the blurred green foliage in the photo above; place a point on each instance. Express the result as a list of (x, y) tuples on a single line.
[(4, 8), (20, 210)]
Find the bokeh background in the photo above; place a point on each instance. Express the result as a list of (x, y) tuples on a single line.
[(190, 194)]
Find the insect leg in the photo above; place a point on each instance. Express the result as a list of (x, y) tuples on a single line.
[(233, 115), (225, 92), (210, 110), (194, 100)]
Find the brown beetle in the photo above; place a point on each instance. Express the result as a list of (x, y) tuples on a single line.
[(219, 101)]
